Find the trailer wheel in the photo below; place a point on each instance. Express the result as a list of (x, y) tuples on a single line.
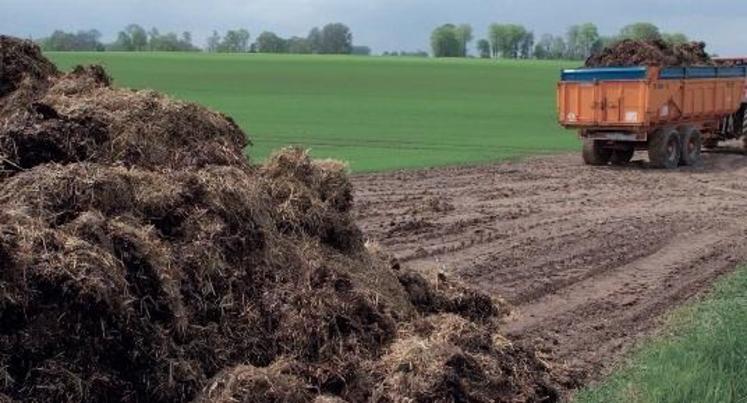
[(595, 154), (692, 143), (664, 149), (622, 156)]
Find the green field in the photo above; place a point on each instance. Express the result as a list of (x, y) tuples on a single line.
[(376, 113), (701, 357)]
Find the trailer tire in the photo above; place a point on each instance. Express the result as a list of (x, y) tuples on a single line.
[(622, 156), (594, 153), (692, 144), (664, 149)]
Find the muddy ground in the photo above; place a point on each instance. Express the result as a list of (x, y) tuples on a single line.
[(590, 257)]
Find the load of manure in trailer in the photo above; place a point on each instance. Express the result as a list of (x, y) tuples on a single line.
[(143, 258), (629, 53)]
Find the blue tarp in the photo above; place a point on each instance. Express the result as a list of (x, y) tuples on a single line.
[(702, 72), (607, 73), (639, 73)]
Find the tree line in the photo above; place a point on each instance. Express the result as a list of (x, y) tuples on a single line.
[(513, 41), (135, 38), (68, 41), (449, 40), (333, 38), (132, 38), (405, 53)]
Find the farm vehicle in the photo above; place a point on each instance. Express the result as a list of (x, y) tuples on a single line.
[(670, 112)]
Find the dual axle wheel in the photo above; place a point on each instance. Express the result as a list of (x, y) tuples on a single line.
[(667, 148)]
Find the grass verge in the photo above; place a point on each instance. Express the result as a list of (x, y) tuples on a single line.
[(701, 357)]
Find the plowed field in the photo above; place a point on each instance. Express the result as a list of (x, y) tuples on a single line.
[(590, 257)]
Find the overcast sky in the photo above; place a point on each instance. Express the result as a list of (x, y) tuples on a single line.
[(381, 24)]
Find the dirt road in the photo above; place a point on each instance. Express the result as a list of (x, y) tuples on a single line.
[(591, 257)]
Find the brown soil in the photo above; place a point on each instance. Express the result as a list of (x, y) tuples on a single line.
[(629, 53), (144, 259), (591, 257)]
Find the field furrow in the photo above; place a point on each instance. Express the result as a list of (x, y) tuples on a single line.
[(590, 257)]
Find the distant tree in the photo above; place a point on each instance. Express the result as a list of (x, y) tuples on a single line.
[(464, 36), (582, 40), (361, 50), (606, 41), (298, 45), (243, 40), (213, 42), (68, 41), (154, 38), (123, 42), (336, 39), (138, 37), (540, 52), (572, 39), (91, 40), (60, 41), (675, 38), (551, 47), (268, 42), (508, 40), (483, 46), (235, 41), (558, 49), (526, 44), (589, 39), (417, 53), (445, 42), (543, 48), (170, 42), (642, 31), (496, 37), (187, 37), (315, 40)]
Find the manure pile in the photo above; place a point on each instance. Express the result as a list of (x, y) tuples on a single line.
[(142, 258), (629, 53)]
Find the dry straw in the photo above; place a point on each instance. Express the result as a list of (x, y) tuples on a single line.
[(143, 259)]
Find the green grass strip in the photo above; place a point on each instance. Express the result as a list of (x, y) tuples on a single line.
[(702, 356)]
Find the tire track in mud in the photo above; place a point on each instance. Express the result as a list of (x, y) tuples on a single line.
[(590, 257)]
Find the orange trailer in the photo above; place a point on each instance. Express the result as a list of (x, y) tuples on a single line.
[(670, 112)]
